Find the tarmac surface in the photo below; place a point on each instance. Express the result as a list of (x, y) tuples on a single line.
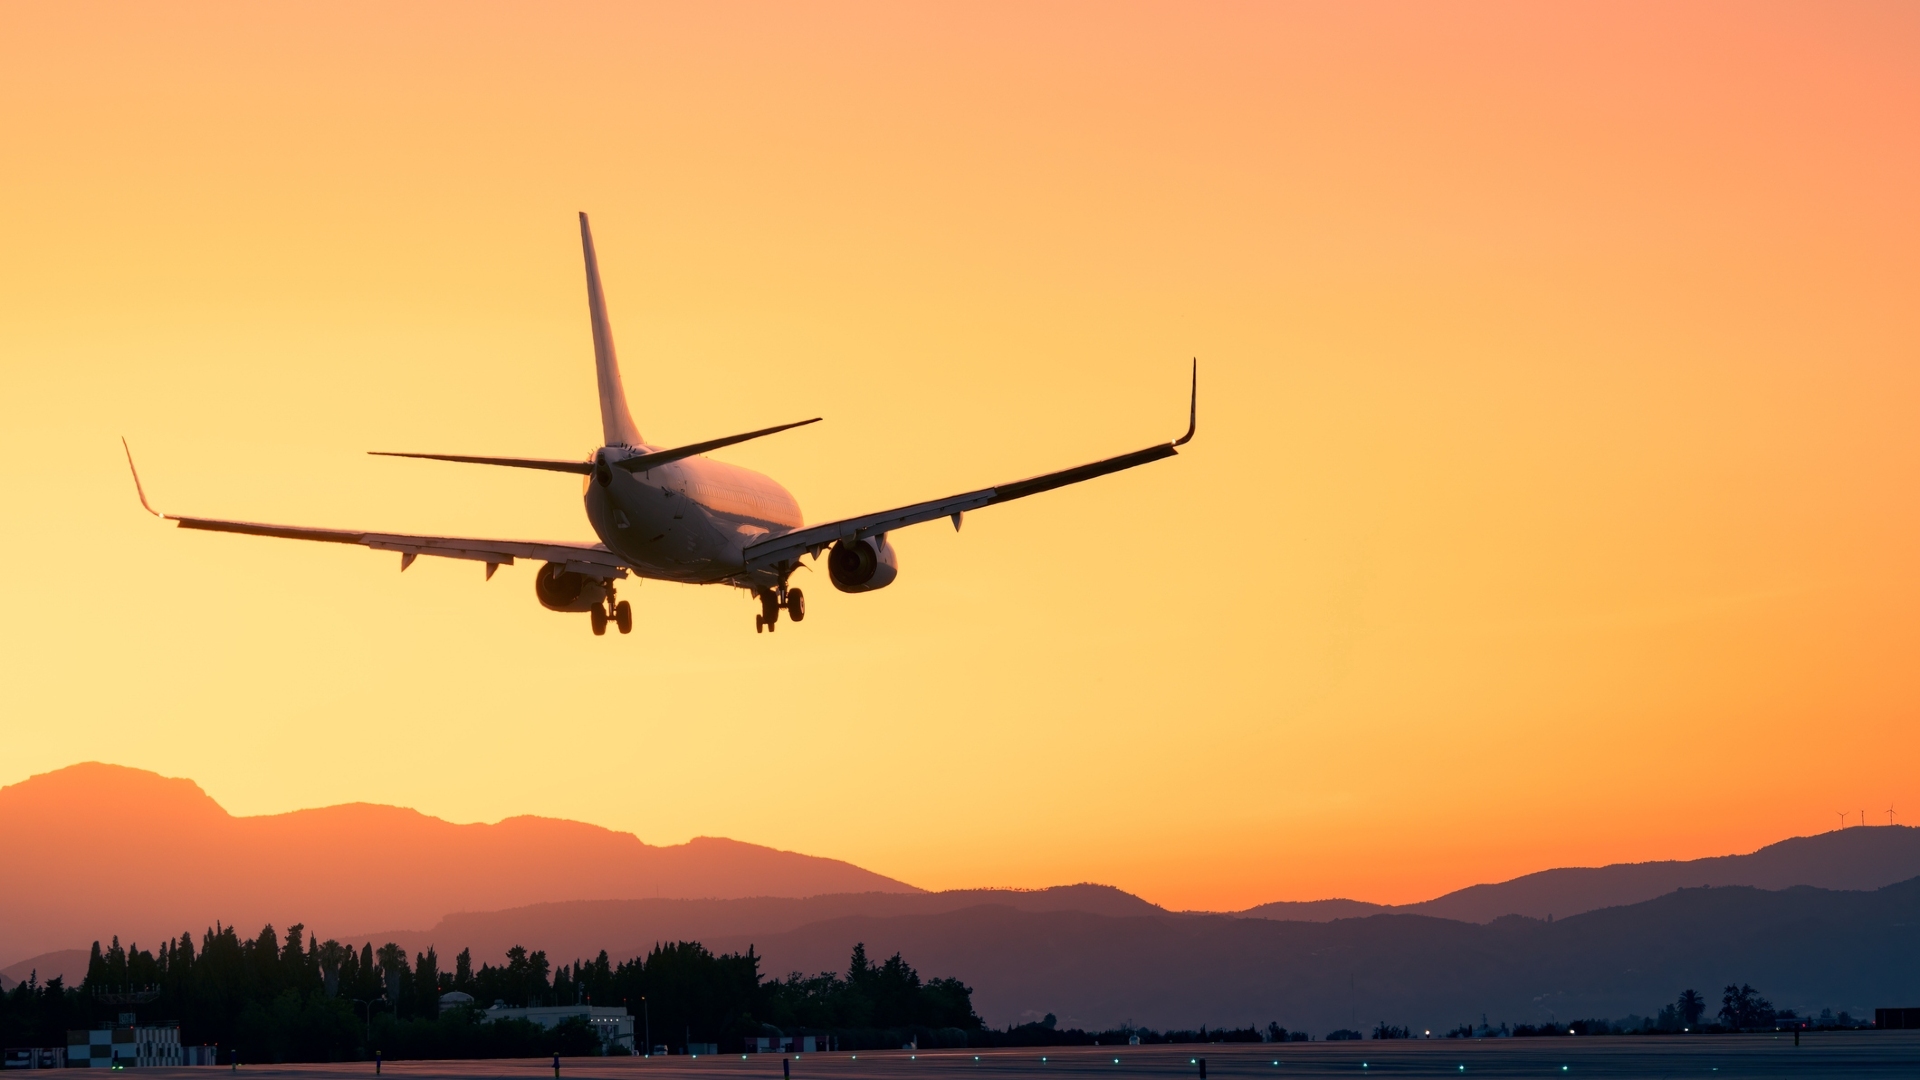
[(1710, 1057)]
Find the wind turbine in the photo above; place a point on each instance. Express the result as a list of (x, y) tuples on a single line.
[(1843, 818), (1889, 813)]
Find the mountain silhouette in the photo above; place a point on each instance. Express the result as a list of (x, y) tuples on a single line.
[(1859, 858), (128, 852), (1831, 920), (628, 928), (1803, 948)]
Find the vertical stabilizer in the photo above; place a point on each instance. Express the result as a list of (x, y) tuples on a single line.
[(616, 423)]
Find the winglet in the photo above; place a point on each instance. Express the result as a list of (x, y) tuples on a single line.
[(1193, 408), (137, 489)]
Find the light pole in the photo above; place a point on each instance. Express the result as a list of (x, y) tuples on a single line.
[(647, 1017), (369, 1007)]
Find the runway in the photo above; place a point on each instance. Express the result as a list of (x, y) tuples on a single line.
[(1710, 1057)]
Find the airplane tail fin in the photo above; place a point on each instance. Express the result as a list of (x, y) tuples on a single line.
[(616, 423)]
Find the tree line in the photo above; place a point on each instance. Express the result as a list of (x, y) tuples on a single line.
[(266, 998), (1742, 1008)]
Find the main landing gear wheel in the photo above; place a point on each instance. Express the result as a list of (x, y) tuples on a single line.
[(797, 605), (599, 621), (623, 616), (769, 616)]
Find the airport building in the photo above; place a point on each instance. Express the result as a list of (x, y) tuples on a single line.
[(35, 1057), (614, 1026), (135, 1045), (788, 1044), (1896, 1018)]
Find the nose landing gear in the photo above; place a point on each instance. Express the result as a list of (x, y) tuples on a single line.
[(772, 600)]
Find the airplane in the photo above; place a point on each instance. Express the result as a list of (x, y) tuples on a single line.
[(674, 514)]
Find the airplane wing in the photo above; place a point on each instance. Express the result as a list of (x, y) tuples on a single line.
[(593, 560), (813, 539)]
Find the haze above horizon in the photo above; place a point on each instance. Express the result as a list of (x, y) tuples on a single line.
[(1553, 501)]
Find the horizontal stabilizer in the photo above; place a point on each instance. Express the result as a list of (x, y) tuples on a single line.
[(580, 468), (661, 457)]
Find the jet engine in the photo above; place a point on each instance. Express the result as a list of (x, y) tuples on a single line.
[(862, 565), (560, 589)]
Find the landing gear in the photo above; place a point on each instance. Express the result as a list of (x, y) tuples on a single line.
[(771, 603), (617, 612)]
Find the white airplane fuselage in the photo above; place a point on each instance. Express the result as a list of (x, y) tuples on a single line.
[(689, 520)]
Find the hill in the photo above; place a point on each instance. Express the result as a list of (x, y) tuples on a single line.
[(1858, 858), (1803, 947), (628, 928), (1028, 954), (146, 856)]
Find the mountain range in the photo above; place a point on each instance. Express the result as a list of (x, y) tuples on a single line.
[(1817, 921), (1856, 859), (1804, 948), (128, 852)]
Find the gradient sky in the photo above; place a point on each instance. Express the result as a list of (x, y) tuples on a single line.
[(1556, 498)]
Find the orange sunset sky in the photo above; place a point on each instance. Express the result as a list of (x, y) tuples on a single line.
[(1556, 498)]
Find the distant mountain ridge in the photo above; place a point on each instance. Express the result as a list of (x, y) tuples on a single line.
[(128, 852), (1028, 954), (626, 928), (1804, 948), (131, 853), (1860, 858)]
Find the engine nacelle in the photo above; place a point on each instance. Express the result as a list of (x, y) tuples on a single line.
[(560, 589), (862, 565)]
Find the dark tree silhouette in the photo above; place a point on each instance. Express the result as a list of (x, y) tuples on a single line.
[(1690, 1007), (1742, 1007)]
